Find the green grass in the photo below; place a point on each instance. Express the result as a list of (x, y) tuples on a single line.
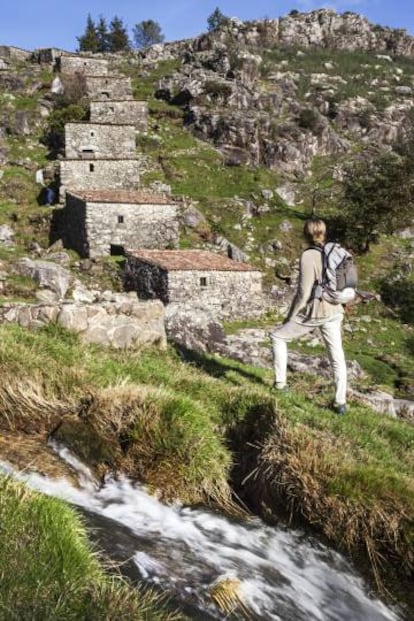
[(48, 569), (187, 428)]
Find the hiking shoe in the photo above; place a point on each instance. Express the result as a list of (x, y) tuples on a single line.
[(340, 409)]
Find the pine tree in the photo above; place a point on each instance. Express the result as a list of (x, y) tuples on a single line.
[(147, 33), (216, 19), (88, 42), (118, 36), (103, 35)]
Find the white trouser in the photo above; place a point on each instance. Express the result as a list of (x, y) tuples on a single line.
[(332, 336)]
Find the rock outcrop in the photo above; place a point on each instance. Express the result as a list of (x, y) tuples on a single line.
[(116, 320), (256, 111)]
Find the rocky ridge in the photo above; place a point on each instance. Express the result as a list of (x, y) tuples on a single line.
[(258, 108)]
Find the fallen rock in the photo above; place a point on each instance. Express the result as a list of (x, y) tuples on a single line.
[(6, 235), (192, 328), (47, 274)]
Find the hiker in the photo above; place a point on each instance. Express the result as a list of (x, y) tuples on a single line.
[(307, 313)]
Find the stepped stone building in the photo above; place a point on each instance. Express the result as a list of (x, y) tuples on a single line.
[(106, 87), (121, 111), (99, 140), (82, 64), (12, 53), (206, 279), (99, 174), (99, 223)]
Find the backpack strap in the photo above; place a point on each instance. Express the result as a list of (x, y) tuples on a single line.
[(324, 259)]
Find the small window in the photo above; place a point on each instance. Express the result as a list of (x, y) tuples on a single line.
[(92, 133), (91, 167), (203, 281), (120, 219)]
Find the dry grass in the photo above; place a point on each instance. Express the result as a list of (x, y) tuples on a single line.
[(226, 594), (293, 471), (24, 407)]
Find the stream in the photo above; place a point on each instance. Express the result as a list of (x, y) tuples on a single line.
[(283, 573)]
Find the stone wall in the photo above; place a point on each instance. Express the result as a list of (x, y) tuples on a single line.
[(99, 175), (129, 226), (48, 55), (105, 88), (72, 225), (97, 140), (113, 112), (232, 294), (226, 293), (9, 52), (122, 321), (82, 64), (149, 281)]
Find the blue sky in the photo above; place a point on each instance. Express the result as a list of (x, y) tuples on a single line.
[(46, 23)]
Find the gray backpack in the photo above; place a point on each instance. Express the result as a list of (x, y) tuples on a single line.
[(339, 275)]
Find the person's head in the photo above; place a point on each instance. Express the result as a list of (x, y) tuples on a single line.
[(314, 231)]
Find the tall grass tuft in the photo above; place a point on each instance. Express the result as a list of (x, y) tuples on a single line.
[(48, 569)]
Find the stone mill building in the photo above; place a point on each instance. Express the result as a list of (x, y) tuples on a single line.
[(208, 279), (107, 212)]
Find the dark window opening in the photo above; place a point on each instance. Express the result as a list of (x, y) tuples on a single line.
[(92, 133), (203, 281), (120, 219), (91, 167), (117, 250), (105, 94)]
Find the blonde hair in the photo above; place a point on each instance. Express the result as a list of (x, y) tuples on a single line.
[(315, 231)]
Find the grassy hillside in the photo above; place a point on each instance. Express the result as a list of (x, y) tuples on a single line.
[(194, 430)]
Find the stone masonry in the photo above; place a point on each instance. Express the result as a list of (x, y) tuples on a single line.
[(101, 222), (102, 174), (124, 111), (105, 213), (119, 321), (105, 88), (82, 64), (99, 140), (208, 280)]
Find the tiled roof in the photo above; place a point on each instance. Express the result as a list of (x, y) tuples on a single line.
[(100, 159), (111, 101), (190, 260), (122, 196), (101, 123), (90, 76)]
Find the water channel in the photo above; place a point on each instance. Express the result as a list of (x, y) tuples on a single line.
[(284, 574)]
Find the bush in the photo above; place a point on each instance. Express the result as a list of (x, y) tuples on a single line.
[(54, 135), (399, 294), (310, 119), (378, 197)]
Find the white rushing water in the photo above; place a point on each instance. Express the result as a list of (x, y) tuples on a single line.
[(284, 574)]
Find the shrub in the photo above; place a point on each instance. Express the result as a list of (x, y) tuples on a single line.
[(378, 197)]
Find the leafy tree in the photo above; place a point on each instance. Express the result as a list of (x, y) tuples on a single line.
[(147, 33), (378, 197), (103, 35), (118, 36), (216, 19), (88, 42)]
